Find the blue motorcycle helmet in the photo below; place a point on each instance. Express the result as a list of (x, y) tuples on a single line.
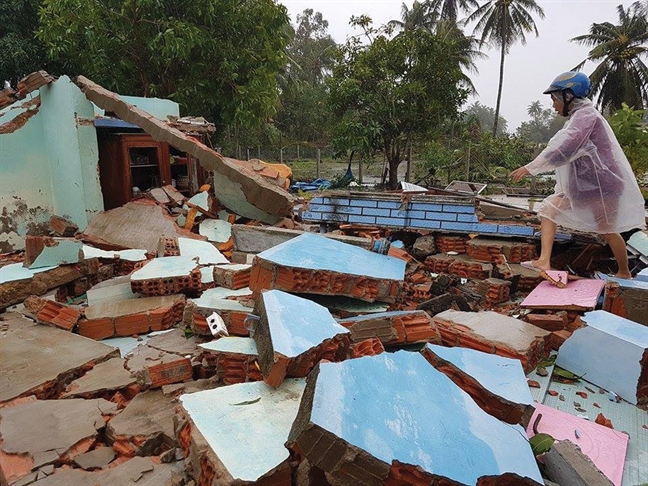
[(570, 85)]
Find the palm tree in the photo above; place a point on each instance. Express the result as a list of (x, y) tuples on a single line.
[(448, 9), (415, 18), (622, 75), (503, 23)]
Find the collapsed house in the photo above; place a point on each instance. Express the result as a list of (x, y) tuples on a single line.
[(172, 336)]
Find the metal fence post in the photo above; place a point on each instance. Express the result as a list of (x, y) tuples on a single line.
[(317, 165)]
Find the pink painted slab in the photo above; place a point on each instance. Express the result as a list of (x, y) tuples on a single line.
[(604, 446), (583, 294)]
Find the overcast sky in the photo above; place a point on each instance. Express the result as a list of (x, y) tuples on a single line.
[(528, 69)]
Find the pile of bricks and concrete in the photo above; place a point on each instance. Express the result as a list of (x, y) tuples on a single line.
[(165, 345)]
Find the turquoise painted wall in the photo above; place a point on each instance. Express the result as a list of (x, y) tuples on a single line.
[(158, 107)]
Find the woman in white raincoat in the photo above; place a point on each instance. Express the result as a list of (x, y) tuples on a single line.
[(596, 190)]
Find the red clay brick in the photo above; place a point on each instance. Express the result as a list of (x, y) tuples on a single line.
[(97, 328)]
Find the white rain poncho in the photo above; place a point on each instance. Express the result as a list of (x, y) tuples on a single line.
[(596, 190)]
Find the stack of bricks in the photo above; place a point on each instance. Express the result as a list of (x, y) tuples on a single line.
[(154, 314), (439, 263), (494, 290), (466, 268), (446, 243), (52, 313), (500, 251)]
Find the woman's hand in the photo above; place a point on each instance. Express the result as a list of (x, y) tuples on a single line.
[(518, 174)]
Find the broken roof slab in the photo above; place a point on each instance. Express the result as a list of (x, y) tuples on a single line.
[(239, 189), (604, 446), (25, 369), (246, 425), (203, 251), (319, 265), (497, 384), (578, 295), (397, 408), (612, 352)]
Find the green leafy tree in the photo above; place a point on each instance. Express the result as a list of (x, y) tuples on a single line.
[(417, 17), (449, 9), (622, 75), (543, 125), (21, 52), (503, 23), (218, 58), (390, 91), (485, 116), (632, 134), (303, 114)]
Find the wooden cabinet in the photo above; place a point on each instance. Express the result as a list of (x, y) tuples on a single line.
[(129, 164)]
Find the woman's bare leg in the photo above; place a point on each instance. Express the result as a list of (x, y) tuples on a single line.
[(547, 236), (620, 252)]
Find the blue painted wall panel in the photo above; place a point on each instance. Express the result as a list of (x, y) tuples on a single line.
[(364, 203), (362, 219), (441, 216), (398, 222), (455, 208), (424, 223)]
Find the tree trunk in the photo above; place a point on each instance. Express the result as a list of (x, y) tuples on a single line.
[(501, 74)]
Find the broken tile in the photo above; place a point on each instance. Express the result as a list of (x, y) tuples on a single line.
[(605, 447), (144, 427), (44, 251), (293, 333), (612, 352), (104, 378), (203, 252), (257, 419), (235, 359), (496, 334), (498, 385), (26, 370), (167, 275), (132, 316), (393, 328), (216, 230), (319, 265), (42, 432), (578, 295), (358, 418)]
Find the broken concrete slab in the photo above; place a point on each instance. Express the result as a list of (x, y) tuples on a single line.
[(137, 224), (351, 424), (233, 276), (256, 239), (132, 316), (132, 255), (578, 295), (318, 265), (15, 272), (203, 252), (627, 298), (167, 275), (498, 385), (112, 290), (142, 471), (257, 419), (45, 251), (234, 359), (494, 333), (17, 290), (566, 464), (26, 370), (612, 352), (103, 380), (145, 426), (604, 446), (96, 459), (293, 334), (240, 190), (393, 328), (216, 230), (41, 432)]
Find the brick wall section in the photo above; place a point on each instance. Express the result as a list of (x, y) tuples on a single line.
[(420, 212), (168, 246), (232, 278), (169, 285), (232, 368), (52, 313), (446, 243), (492, 251)]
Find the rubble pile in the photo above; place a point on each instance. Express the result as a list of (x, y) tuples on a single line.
[(173, 342)]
